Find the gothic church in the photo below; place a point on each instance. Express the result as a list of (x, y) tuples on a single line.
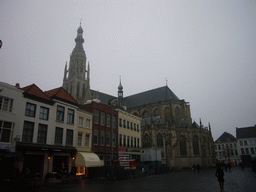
[(166, 120)]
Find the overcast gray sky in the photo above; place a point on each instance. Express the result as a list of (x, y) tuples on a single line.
[(206, 50)]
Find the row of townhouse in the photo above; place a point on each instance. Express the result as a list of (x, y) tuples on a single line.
[(48, 132), (234, 149)]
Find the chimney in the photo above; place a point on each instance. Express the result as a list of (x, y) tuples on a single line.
[(17, 85)]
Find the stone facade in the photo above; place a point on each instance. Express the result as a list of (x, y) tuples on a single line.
[(77, 78), (182, 143)]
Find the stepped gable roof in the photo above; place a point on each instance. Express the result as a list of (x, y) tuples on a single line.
[(225, 137), (35, 91), (246, 132), (156, 120), (61, 94), (152, 96), (103, 97)]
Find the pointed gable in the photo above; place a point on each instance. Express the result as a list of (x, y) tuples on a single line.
[(34, 92), (226, 137), (61, 94)]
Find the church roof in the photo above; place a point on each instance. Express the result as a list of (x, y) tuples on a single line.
[(62, 94), (156, 120), (103, 97), (183, 124), (226, 137), (246, 132), (152, 96), (195, 125)]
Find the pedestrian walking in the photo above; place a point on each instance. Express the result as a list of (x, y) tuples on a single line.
[(229, 166), (198, 168), (194, 168), (220, 175)]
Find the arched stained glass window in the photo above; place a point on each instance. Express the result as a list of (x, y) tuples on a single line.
[(195, 145), (159, 140), (147, 141), (183, 149)]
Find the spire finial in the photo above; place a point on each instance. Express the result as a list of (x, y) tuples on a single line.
[(166, 81), (80, 21)]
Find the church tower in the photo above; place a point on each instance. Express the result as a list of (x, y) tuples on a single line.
[(76, 79)]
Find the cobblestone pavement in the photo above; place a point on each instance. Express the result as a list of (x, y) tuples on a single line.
[(186, 180)]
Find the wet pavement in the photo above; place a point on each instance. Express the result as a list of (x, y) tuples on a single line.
[(185, 180)]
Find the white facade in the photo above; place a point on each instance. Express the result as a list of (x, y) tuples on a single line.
[(10, 99), (226, 151), (247, 146)]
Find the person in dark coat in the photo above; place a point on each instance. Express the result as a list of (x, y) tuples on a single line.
[(220, 175), (198, 168)]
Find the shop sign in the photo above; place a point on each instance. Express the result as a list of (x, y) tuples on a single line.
[(5, 146)]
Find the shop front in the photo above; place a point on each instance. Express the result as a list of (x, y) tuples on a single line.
[(41, 159), (86, 164)]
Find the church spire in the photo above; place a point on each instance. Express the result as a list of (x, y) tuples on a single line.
[(120, 94), (79, 39)]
